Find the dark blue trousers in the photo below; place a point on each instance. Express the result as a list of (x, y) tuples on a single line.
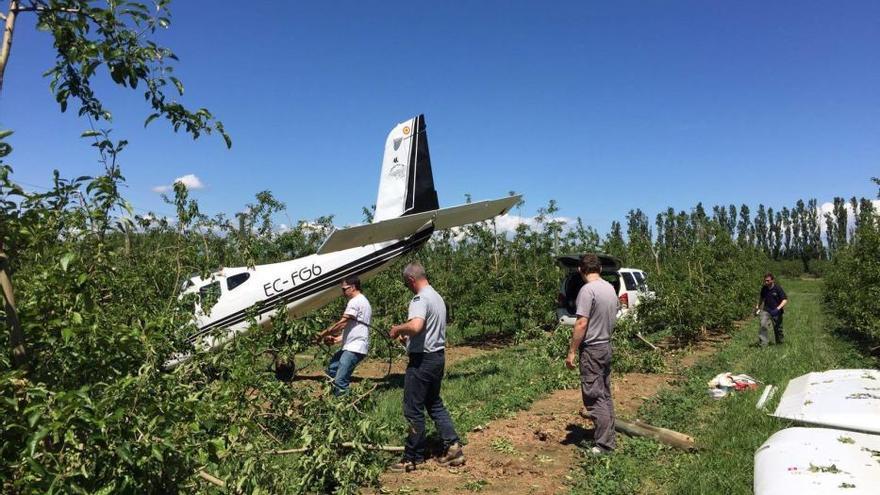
[(421, 391)]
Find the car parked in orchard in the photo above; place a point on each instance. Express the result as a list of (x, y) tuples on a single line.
[(629, 283)]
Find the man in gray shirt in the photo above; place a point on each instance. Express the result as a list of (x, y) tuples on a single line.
[(596, 315), (425, 331)]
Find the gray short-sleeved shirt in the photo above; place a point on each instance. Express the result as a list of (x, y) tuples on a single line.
[(428, 305), (597, 301)]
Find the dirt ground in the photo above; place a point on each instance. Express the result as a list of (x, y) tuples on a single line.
[(532, 452)]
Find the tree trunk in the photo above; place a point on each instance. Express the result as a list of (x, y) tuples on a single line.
[(16, 335), (8, 30), (669, 437)]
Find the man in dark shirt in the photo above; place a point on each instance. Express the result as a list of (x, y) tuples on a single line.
[(770, 307)]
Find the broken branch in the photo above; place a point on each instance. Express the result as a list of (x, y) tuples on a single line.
[(669, 437), (211, 479), (346, 445)]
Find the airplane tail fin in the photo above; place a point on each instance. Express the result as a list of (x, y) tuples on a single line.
[(406, 185)]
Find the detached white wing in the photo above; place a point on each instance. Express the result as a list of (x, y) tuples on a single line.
[(403, 227)]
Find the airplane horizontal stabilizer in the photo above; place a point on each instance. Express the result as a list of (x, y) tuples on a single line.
[(403, 227)]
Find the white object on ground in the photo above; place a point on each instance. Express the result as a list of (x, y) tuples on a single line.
[(847, 399), (768, 393), (818, 461), (721, 380)]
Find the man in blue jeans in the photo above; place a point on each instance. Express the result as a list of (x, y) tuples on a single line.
[(352, 330), (425, 332)]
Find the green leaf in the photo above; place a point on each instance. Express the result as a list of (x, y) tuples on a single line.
[(32, 445), (124, 453), (91, 133), (66, 259), (177, 84), (5, 133), (151, 118), (66, 334), (34, 417)]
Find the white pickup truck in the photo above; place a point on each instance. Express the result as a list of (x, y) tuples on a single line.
[(628, 282)]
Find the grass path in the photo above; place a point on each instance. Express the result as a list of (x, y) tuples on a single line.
[(731, 429)]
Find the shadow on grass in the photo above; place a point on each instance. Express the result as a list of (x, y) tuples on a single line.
[(487, 340), (862, 343)]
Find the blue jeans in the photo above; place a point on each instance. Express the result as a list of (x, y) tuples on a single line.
[(341, 367), (421, 391)]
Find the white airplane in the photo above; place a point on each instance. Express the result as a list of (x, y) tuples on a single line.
[(406, 215)]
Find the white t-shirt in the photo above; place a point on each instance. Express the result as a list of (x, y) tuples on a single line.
[(356, 336)]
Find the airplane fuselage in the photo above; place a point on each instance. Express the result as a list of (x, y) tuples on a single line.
[(299, 286)]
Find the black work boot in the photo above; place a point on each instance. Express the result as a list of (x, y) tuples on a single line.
[(454, 455)]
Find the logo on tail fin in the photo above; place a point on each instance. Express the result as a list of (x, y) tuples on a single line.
[(397, 170)]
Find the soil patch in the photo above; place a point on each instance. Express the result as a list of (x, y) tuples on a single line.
[(529, 453), (532, 452)]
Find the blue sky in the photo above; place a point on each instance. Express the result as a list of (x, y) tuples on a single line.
[(602, 106)]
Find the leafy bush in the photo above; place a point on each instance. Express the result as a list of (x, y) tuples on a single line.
[(702, 279), (852, 283)]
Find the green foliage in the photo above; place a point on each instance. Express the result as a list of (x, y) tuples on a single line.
[(702, 277), (115, 36), (853, 278), (729, 430)]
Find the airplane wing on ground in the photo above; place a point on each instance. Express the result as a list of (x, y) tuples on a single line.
[(405, 226)]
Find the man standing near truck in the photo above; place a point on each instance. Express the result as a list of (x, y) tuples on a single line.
[(596, 311), (773, 300)]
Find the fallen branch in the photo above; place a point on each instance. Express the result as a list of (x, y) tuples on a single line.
[(643, 339), (669, 437), (212, 479), (346, 445)]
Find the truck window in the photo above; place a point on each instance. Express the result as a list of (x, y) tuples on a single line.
[(629, 281), (640, 279)]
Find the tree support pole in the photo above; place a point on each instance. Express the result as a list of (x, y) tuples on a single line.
[(669, 437), (16, 335), (8, 30)]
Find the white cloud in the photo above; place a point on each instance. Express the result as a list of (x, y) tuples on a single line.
[(191, 181), (828, 207)]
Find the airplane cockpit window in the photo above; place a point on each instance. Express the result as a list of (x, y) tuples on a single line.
[(209, 295), (236, 280)]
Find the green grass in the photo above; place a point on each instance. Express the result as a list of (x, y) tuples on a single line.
[(731, 429)]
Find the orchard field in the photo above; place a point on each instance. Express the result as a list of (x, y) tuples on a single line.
[(87, 408), (91, 311)]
